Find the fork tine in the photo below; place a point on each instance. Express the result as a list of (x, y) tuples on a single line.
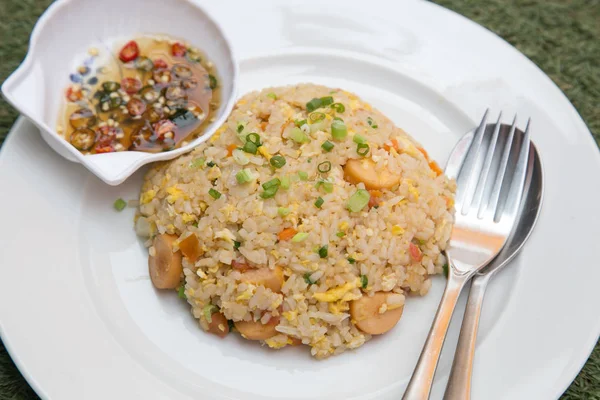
[(467, 169), (483, 178), (515, 192), (495, 195)]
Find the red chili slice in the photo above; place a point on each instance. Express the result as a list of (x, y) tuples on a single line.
[(178, 49), (159, 63), (136, 107), (162, 127), (129, 52), (162, 76), (106, 149), (74, 94), (131, 85)]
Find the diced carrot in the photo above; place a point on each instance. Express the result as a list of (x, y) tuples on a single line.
[(190, 248), (435, 168), (287, 234), (263, 125), (394, 145), (415, 252), (230, 149), (422, 150), (374, 199)]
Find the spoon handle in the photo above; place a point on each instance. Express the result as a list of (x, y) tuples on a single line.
[(420, 383), (459, 383)]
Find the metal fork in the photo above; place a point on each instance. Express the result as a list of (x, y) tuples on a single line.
[(490, 181)]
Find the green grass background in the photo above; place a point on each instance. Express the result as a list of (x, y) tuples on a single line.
[(561, 36)]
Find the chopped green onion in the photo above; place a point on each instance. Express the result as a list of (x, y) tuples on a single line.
[(338, 107), (231, 325), (277, 161), (316, 117), (253, 138), (269, 193), (338, 130), (303, 175), (212, 81), (372, 123), (358, 139), (313, 104), (285, 182), (309, 160), (340, 234), (327, 146), (324, 167), (208, 312), (111, 86), (240, 127), (271, 187), (307, 278), (326, 101), (181, 292), (197, 162), (236, 244), (299, 237), (445, 269), (299, 122), (210, 164), (323, 251), (362, 149), (338, 119), (364, 281), (215, 194), (250, 147), (282, 211), (358, 200), (298, 136), (240, 157), (328, 187), (351, 260), (318, 126), (120, 204), (275, 182), (319, 202), (272, 96), (244, 176)]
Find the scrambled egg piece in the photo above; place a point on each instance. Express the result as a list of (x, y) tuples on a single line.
[(247, 294), (226, 235), (339, 307), (337, 293), (174, 194), (413, 190), (147, 196), (264, 152), (290, 315), (343, 226), (185, 217), (276, 344), (397, 230), (218, 133)]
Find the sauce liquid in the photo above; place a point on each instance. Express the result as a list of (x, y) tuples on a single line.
[(178, 100)]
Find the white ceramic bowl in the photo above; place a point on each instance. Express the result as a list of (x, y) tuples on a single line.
[(69, 27)]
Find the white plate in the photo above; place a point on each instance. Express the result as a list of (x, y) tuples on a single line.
[(81, 319)]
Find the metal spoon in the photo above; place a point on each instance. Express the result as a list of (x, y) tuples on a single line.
[(490, 173), (459, 383)]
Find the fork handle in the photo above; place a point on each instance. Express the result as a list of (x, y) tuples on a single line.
[(459, 383), (420, 383)]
